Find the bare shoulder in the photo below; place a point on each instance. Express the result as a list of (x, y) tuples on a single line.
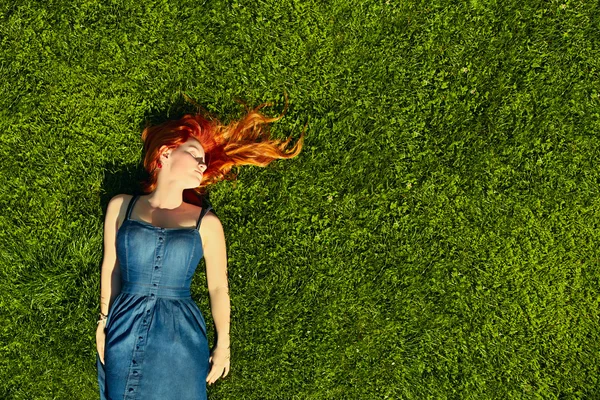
[(117, 201), (211, 222), (120, 198), (211, 228), (116, 208)]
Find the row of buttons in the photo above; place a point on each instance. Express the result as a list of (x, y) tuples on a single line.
[(141, 338), (156, 267), (134, 362)]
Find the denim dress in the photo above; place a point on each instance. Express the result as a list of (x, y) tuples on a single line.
[(156, 345)]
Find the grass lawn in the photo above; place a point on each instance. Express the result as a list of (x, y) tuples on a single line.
[(437, 237)]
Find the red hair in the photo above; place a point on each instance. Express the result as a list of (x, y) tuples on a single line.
[(242, 142)]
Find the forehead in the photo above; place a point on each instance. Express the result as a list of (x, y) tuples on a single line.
[(193, 143)]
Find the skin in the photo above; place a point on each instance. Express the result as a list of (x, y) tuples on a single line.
[(182, 168)]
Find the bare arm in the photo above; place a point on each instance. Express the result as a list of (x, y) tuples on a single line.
[(110, 277), (215, 256)]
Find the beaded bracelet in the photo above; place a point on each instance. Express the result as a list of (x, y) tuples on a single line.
[(103, 317)]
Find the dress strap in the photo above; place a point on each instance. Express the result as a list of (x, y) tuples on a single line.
[(202, 214), (207, 207), (130, 206)]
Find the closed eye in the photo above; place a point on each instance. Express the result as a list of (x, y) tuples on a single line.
[(205, 160), (197, 158)]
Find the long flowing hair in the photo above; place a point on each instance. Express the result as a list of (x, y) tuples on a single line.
[(246, 141)]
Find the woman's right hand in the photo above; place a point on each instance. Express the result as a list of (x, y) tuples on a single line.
[(100, 339)]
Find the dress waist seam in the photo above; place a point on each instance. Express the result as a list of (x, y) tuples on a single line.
[(162, 291)]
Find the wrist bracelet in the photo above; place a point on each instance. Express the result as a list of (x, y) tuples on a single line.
[(102, 318)]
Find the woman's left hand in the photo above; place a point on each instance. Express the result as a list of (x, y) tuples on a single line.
[(220, 364)]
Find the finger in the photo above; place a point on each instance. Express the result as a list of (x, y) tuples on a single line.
[(212, 374), (215, 374)]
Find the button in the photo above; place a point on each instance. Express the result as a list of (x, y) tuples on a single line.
[(158, 257), (141, 338), (145, 321), (135, 373), (156, 284), (134, 362), (151, 294), (160, 238), (147, 311), (131, 389), (156, 267), (137, 347)]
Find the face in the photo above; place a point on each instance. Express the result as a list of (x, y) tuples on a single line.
[(187, 162)]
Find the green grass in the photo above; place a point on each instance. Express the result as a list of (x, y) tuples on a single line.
[(437, 238)]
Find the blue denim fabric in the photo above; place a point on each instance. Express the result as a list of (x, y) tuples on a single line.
[(156, 345)]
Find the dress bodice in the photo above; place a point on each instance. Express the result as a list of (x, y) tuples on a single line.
[(156, 260)]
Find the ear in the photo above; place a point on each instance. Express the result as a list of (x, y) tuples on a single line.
[(164, 151)]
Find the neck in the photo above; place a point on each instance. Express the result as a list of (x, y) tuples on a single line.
[(163, 198)]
